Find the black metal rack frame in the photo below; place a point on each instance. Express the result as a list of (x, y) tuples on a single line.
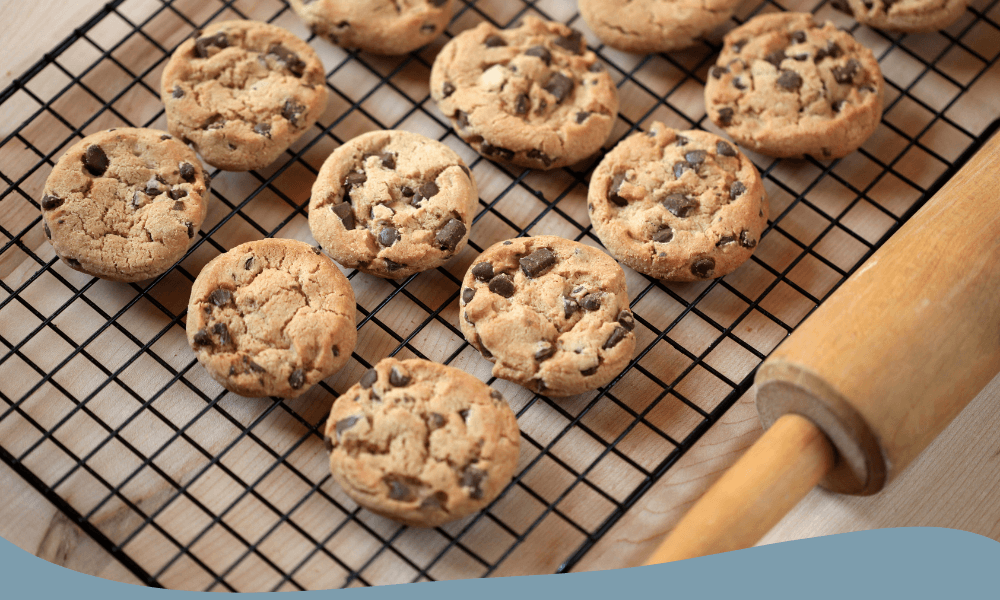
[(800, 238)]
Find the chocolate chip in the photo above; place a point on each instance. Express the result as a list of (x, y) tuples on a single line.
[(535, 154), (717, 72), (450, 235), (345, 424), (490, 150), (725, 241), (388, 236), (177, 193), (591, 301), (369, 378), (398, 490), (407, 192), (186, 171), (51, 202), (838, 105), (842, 6), (48, 232), (482, 271), (202, 44), (468, 294), (296, 379), (290, 59), (703, 267), (696, 157), (537, 262), (559, 86), (776, 57), (664, 235), (799, 37), (177, 92), (736, 190), (738, 83), (253, 366), (495, 41), (589, 372), (262, 129), (462, 119), (220, 297), (437, 500), (522, 104), (354, 180), (572, 42), (746, 240), (346, 214), (545, 351), (725, 115), (485, 351), (626, 320), (681, 141), (166, 136), (202, 338), (613, 192), (393, 265), (582, 116), (680, 167), (473, 479), (724, 149), (95, 160), (293, 111), (464, 414), (190, 228), (616, 336), (435, 421), (790, 80), (832, 50), (738, 46), (502, 285), (570, 307), (540, 52), (397, 378), (845, 75), (447, 89), (336, 351), (680, 205), (222, 332), (248, 264)]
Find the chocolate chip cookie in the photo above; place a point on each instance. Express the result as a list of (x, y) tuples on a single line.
[(785, 86), (393, 203), (124, 204), (646, 26), (379, 26), (422, 443), (271, 318), (551, 314), (911, 16), (680, 206), (241, 92), (533, 95)]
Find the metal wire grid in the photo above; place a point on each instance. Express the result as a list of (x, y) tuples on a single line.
[(171, 501)]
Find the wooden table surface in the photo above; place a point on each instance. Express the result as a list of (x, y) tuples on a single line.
[(955, 483)]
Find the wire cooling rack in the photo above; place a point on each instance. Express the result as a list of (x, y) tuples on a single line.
[(106, 412)]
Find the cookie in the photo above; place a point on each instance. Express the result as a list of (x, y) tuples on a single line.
[(393, 203), (533, 95), (680, 206), (551, 314), (911, 16), (785, 86), (271, 318), (422, 443), (241, 92), (124, 204), (379, 26), (646, 26)]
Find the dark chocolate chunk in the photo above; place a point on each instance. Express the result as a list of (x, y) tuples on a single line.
[(746, 240), (447, 89), (494, 41), (473, 479), (582, 116), (297, 378), (468, 294), (398, 490), (717, 72), (696, 157), (617, 336), (776, 57), (626, 320), (522, 104), (843, 6), (153, 188), (616, 186), (590, 371), (248, 264), (591, 301), (202, 44), (437, 500), (187, 171), (724, 149), (177, 92), (450, 235), (292, 111), (345, 424), (190, 228), (369, 378), (832, 50), (346, 214), (725, 115), (51, 202), (535, 154), (680, 205), (664, 235), (738, 83), (392, 265), (572, 42), (482, 271), (790, 80), (222, 332), (435, 421), (388, 236), (177, 193), (545, 351), (397, 378), (485, 351), (462, 119), (738, 45), (538, 262), (681, 141), (336, 351), (845, 75), (725, 241), (95, 160), (680, 167), (703, 267), (540, 52), (354, 180), (263, 129), (464, 413), (48, 232), (799, 37), (253, 366), (220, 297), (202, 338), (502, 285), (407, 191), (570, 307), (289, 59), (838, 105), (490, 150), (178, 205), (496, 395), (74, 263), (559, 86), (736, 190)]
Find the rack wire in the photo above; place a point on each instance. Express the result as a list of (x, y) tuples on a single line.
[(107, 414)]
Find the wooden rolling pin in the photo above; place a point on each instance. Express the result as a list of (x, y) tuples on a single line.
[(875, 374)]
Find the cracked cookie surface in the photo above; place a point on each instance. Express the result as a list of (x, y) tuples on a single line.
[(124, 204), (551, 314), (421, 442), (532, 95), (271, 318), (241, 92), (393, 203), (646, 26), (785, 86), (379, 26), (911, 16), (679, 206)]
